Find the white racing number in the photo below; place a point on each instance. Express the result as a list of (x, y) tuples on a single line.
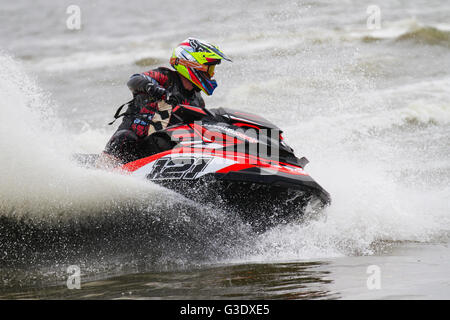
[(178, 168)]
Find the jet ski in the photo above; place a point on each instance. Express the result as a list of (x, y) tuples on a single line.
[(234, 160)]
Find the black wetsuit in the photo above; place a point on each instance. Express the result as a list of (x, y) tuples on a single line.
[(134, 139)]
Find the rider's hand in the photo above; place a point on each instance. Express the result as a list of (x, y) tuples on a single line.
[(172, 99), (155, 91)]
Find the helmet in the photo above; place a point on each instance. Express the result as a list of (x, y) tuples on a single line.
[(196, 60)]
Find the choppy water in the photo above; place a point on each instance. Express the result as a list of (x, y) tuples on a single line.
[(369, 108)]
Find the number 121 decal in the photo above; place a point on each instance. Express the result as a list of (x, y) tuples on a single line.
[(179, 168)]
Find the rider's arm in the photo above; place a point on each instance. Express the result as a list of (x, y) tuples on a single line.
[(142, 83), (138, 83)]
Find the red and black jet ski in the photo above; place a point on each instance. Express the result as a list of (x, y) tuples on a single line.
[(235, 160)]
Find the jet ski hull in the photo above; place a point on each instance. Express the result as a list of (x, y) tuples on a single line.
[(262, 192), (233, 160)]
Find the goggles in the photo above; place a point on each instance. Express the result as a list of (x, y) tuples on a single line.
[(210, 70), (207, 68)]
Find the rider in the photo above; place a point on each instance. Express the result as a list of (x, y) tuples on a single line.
[(155, 92)]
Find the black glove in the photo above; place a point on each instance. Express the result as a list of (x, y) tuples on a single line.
[(155, 91), (172, 98)]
